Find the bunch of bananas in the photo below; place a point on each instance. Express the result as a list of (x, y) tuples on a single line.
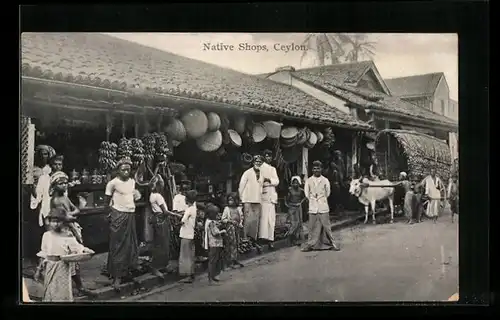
[(107, 156), (163, 150), (124, 149), (137, 152), (149, 141)]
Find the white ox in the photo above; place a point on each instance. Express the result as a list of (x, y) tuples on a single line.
[(370, 192)]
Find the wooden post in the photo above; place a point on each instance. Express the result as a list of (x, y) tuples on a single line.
[(109, 125), (354, 151), (305, 162), (124, 126), (388, 154)]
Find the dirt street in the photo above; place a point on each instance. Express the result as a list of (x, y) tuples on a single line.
[(381, 262)]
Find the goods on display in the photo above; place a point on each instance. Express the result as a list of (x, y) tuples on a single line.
[(224, 122), (96, 178), (196, 123), (176, 167), (107, 156), (303, 136), (210, 142), (137, 152), (273, 129), (258, 133), (162, 148), (319, 135), (235, 138), (214, 121), (149, 141), (124, 149), (176, 130), (289, 133), (311, 142)]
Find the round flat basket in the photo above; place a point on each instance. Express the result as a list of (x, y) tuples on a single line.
[(176, 130), (77, 257), (273, 129), (320, 136), (302, 137), (234, 138), (289, 133), (196, 123), (214, 121), (246, 158), (224, 122), (259, 133), (210, 142), (313, 139), (239, 124)]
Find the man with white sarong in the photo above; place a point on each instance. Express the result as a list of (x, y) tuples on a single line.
[(432, 189), (269, 199), (317, 189)]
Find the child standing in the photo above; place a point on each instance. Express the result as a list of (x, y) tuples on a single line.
[(213, 243), (293, 202), (452, 194), (161, 226), (187, 250), (232, 217), (59, 199), (178, 206), (57, 273), (418, 206)]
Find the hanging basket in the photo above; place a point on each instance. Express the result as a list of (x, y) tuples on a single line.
[(196, 123), (214, 121), (210, 142), (289, 133), (320, 136), (234, 138), (273, 129), (259, 133), (288, 143), (176, 130), (313, 139), (224, 122), (302, 137)]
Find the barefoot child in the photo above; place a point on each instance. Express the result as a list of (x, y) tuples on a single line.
[(59, 199), (55, 272), (293, 202), (213, 243), (187, 253), (232, 217), (161, 226)]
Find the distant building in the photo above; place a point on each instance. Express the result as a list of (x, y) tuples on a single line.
[(429, 91)]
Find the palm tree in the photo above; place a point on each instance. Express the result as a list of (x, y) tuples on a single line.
[(334, 45), (324, 45), (360, 46)]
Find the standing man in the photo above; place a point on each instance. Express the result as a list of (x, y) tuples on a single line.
[(408, 202), (269, 200), (433, 186), (250, 192), (317, 190)]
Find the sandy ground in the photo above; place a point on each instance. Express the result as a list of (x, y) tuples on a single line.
[(383, 262)]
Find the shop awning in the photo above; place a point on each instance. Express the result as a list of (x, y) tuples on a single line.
[(418, 151)]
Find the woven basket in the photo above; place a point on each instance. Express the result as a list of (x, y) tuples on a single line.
[(175, 130), (224, 122), (259, 133), (289, 133), (239, 124), (210, 142), (196, 123), (320, 136), (313, 139), (273, 129), (234, 138), (302, 137), (287, 143), (214, 121)]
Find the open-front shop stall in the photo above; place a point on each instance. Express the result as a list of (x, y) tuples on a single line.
[(412, 152)]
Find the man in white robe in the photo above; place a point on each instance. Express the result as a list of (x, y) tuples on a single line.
[(269, 199)]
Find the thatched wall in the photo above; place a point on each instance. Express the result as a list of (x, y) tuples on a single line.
[(412, 152)]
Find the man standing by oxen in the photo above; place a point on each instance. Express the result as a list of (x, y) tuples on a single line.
[(269, 199)]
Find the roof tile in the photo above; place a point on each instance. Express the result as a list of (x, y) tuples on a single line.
[(104, 61), (418, 85)]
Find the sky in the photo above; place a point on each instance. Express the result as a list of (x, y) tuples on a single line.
[(396, 55)]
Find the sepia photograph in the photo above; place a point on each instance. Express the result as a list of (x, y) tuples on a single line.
[(239, 167)]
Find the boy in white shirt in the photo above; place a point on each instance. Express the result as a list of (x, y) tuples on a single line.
[(187, 250)]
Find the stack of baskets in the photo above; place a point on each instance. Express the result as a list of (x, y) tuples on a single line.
[(289, 137)]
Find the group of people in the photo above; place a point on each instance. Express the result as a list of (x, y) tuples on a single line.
[(429, 192), (257, 190)]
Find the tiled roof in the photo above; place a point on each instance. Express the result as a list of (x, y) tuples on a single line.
[(342, 72), (375, 100), (419, 85), (104, 61)]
